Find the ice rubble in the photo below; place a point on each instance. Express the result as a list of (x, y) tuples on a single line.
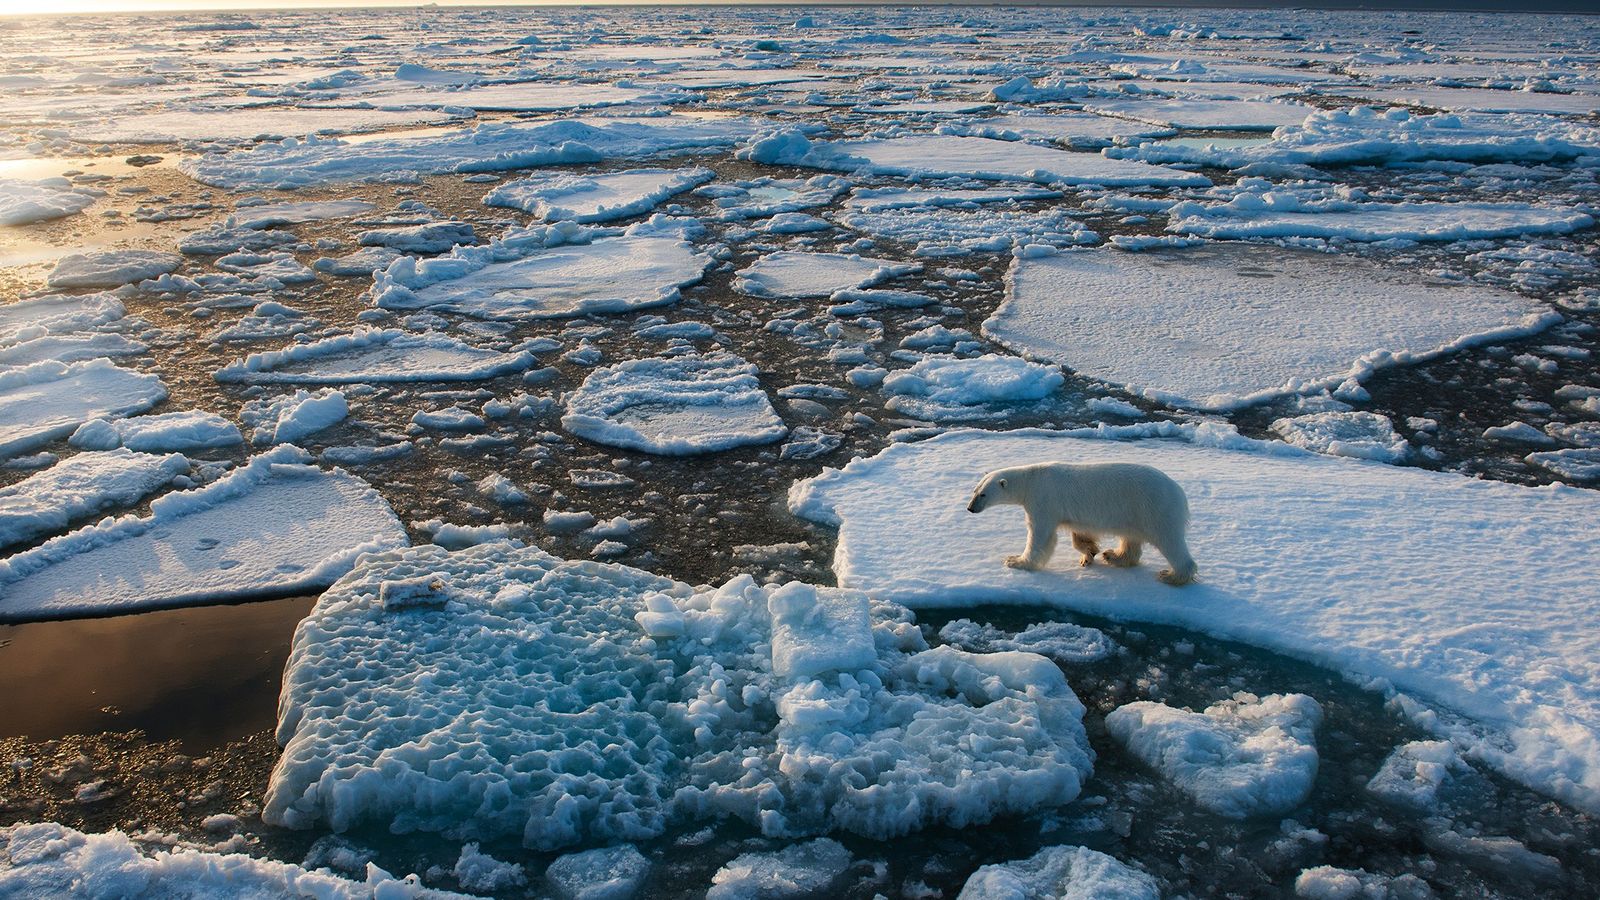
[(180, 431), (1063, 642), (604, 873), (56, 314), (1414, 773), (284, 420), (796, 871), (111, 268), (1357, 434), (793, 273), (1459, 613), (273, 526), (1222, 327), (1233, 115), (1283, 215), (952, 232), (375, 355), (1061, 872), (80, 486), (48, 400), (1242, 757), (549, 273), (948, 389), (942, 155), (675, 406), (487, 148), (26, 202), (497, 674), (50, 860), (1331, 883), (595, 198)]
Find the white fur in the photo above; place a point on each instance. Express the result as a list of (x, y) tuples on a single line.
[(1137, 504)]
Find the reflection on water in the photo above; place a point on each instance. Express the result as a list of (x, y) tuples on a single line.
[(150, 671)]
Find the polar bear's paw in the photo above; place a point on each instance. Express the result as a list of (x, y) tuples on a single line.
[(1021, 562), (1173, 578)]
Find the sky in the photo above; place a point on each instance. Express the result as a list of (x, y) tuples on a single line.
[(51, 7)]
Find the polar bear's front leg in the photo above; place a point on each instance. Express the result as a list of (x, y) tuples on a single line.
[(1041, 544), (1086, 545)]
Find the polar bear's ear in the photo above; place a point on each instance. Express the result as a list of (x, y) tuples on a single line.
[(1002, 482)]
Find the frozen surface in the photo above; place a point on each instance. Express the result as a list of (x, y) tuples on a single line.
[(1077, 873), (498, 673), (182, 431), (487, 148), (595, 198), (1080, 130), (1282, 216), (800, 870), (284, 420), (1252, 115), (48, 400), (943, 388), (793, 273), (1222, 327), (605, 873), (26, 202), (56, 314), (1459, 613), (111, 268), (939, 155), (50, 860), (78, 486), (676, 406), (1063, 642), (267, 215), (274, 526), (374, 355), (547, 277), (939, 231), (200, 124), (1242, 757), (1360, 435), (1414, 773)]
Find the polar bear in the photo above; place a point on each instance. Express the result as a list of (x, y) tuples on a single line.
[(1136, 503)]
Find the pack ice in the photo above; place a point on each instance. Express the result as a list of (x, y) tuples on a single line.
[(797, 273), (945, 388), (1458, 611), (26, 202), (549, 272), (942, 155), (375, 355), (48, 400), (79, 486), (273, 526), (595, 198), (559, 702), (1225, 326), (675, 406), (1283, 215), (1061, 872)]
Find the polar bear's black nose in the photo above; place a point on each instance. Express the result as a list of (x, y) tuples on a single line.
[(972, 506)]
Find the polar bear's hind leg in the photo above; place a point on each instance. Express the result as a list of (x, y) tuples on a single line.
[(1182, 570), (1126, 554), (1085, 543)]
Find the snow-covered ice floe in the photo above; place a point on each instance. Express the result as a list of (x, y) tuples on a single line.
[(1357, 434), (273, 526), (26, 320), (549, 272), (675, 406), (50, 860), (180, 431), (1079, 130), (26, 202), (595, 198), (111, 268), (1061, 872), (375, 355), (1282, 215), (1481, 589), (943, 155), (949, 389), (1221, 327), (795, 273), (1242, 757), (79, 486), (487, 148), (559, 702), (202, 124), (1233, 115), (48, 400)]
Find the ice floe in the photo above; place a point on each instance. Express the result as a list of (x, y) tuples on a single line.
[(595, 198), (57, 314), (45, 401), (273, 526), (181, 431), (1061, 872), (1241, 757), (487, 148), (285, 420), (939, 231), (80, 486), (793, 273), (1222, 327), (1233, 115), (268, 215), (203, 124), (50, 860), (548, 273), (499, 674), (1079, 130), (942, 155), (1468, 622), (799, 870), (375, 355), (605, 873), (985, 387), (1282, 215), (26, 202), (1356, 434), (675, 406), (111, 268)]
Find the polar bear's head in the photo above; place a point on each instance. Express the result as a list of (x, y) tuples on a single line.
[(991, 490)]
